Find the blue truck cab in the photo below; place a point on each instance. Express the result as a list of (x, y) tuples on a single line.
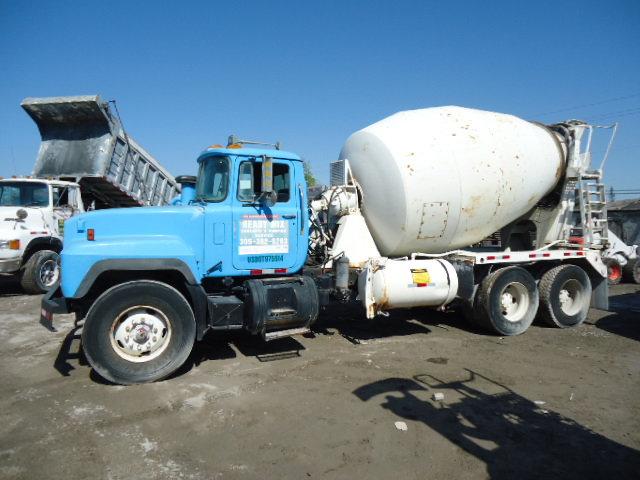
[(227, 255)]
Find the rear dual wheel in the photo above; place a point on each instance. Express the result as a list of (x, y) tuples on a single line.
[(509, 299), (565, 295)]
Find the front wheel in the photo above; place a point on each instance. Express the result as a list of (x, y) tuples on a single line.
[(138, 332), (507, 301), (41, 272)]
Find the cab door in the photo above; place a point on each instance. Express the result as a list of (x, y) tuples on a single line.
[(265, 237)]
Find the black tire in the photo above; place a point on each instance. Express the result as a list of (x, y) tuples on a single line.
[(146, 299), (36, 276), (631, 271), (489, 309), (565, 295), (614, 271)]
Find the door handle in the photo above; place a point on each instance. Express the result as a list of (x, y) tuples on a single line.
[(302, 205), (289, 216)]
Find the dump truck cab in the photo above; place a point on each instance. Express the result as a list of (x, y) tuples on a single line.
[(32, 216)]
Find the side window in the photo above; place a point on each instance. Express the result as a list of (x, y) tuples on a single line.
[(281, 181), (246, 181), (60, 197), (250, 181)]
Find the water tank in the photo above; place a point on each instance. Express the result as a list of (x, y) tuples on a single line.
[(442, 178)]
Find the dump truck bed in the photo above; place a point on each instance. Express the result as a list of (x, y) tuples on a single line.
[(84, 142)]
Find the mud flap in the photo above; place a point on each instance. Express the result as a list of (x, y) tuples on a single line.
[(52, 302), (600, 295)]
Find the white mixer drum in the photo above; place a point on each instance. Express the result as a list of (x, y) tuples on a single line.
[(443, 178)]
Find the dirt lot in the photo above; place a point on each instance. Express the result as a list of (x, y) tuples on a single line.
[(547, 404)]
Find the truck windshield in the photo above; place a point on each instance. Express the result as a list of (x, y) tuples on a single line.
[(24, 194), (213, 179)]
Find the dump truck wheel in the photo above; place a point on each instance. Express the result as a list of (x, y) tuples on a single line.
[(41, 272), (614, 271), (507, 301), (138, 332), (565, 295), (631, 271)]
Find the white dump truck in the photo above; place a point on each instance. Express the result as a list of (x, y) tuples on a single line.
[(85, 161)]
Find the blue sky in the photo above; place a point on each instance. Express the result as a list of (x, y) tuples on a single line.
[(187, 74)]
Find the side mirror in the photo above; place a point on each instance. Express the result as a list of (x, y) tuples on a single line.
[(269, 199), (22, 214), (267, 174), (267, 195)]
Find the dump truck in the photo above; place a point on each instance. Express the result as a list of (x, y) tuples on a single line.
[(86, 161), (246, 249)]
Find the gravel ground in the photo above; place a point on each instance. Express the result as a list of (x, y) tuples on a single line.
[(353, 400)]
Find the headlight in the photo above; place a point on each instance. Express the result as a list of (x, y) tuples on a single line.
[(10, 244)]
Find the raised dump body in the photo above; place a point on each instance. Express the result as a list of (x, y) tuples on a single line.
[(82, 141), (438, 179)]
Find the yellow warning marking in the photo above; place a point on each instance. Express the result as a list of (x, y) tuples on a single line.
[(420, 276)]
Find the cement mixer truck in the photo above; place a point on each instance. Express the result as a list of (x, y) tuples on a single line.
[(413, 199)]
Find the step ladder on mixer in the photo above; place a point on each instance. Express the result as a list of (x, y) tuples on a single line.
[(590, 191)]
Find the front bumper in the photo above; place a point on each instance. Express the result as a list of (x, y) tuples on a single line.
[(52, 302), (10, 265)]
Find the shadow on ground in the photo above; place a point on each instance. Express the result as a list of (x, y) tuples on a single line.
[(512, 435), (346, 321), (9, 287), (625, 319)]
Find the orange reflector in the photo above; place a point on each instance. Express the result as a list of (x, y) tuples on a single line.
[(91, 234), (235, 145), (14, 244), (217, 145)]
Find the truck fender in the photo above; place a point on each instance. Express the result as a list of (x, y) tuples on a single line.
[(194, 292), (41, 243), (133, 264)]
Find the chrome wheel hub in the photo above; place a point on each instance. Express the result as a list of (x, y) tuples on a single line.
[(49, 273), (140, 334)]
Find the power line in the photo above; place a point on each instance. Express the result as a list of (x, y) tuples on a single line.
[(585, 105), (619, 113)]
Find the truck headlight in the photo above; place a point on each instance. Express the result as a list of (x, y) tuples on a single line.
[(10, 244)]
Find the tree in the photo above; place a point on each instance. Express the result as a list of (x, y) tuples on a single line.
[(308, 174)]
